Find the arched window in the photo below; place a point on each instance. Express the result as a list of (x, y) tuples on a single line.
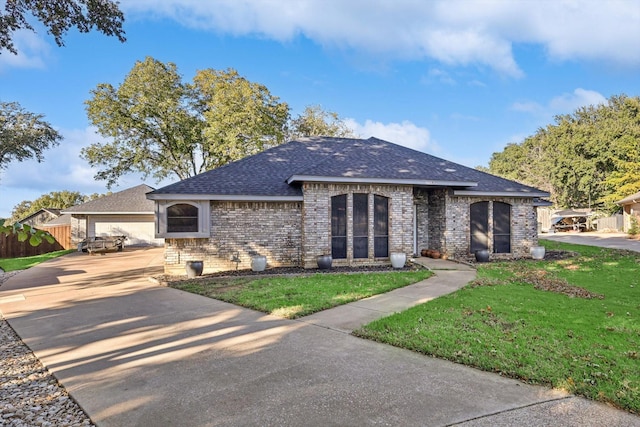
[(182, 218), (501, 228)]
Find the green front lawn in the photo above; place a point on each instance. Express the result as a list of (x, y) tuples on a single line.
[(571, 323), (12, 264), (293, 297)]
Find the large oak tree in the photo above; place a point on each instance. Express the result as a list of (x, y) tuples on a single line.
[(588, 158), (23, 135)]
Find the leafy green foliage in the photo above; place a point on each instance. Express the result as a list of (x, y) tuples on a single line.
[(634, 228), (241, 117), (23, 135), (591, 157), (293, 297), (524, 319), (26, 232), (152, 124), (161, 126), (315, 121), (55, 199), (58, 17)]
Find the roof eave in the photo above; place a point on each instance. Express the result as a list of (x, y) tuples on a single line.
[(106, 213), (628, 202), (519, 194), (225, 197), (393, 181)]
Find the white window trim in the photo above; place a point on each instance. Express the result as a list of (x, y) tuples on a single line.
[(204, 219)]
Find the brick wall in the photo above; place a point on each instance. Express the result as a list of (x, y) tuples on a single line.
[(316, 220), (240, 230), (523, 226)]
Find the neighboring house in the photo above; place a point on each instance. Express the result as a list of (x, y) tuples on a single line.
[(126, 212), (358, 200), (630, 208), (40, 217)]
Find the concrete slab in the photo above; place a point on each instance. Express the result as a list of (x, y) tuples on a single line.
[(136, 354), (603, 240)]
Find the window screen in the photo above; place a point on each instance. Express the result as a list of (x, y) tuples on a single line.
[(479, 218), (360, 226), (381, 226), (501, 227), (339, 226), (182, 218)]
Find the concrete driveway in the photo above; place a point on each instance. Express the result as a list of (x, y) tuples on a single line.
[(133, 353), (604, 240)]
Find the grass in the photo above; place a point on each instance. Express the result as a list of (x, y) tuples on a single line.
[(293, 297), (22, 263), (572, 324)]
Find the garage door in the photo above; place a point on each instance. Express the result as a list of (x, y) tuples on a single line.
[(139, 229)]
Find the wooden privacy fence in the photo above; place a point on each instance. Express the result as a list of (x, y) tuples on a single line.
[(10, 247), (62, 234), (615, 222)]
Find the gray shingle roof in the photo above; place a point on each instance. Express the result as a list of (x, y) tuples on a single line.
[(129, 201), (64, 219), (630, 199), (277, 172)]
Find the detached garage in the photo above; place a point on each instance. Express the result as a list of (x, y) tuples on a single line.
[(125, 213)]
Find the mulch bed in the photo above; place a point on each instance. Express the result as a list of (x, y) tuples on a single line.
[(289, 271)]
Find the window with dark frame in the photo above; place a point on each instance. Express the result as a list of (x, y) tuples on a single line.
[(360, 225), (182, 218), (479, 227), (501, 228), (339, 226), (381, 226)]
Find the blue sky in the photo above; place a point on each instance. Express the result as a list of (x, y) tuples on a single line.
[(458, 79)]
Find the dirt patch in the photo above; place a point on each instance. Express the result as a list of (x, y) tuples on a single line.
[(541, 280), (555, 255)]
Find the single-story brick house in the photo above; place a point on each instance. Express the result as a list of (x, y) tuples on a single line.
[(127, 212), (358, 200), (630, 208)]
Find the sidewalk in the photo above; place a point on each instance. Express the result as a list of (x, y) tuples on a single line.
[(449, 277)]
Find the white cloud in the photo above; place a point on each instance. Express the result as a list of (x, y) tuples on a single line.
[(406, 134), (32, 51), (566, 103), (454, 32), (569, 102)]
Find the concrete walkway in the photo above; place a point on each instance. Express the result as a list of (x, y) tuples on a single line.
[(133, 353), (449, 277)]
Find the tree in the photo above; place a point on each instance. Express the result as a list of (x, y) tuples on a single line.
[(58, 17), (151, 121), (23, 135), (315, 121), (161, 126), (241, 117), (55, 199), (588, 158)]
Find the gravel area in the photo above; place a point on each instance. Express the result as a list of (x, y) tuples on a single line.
[(29, 394)]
